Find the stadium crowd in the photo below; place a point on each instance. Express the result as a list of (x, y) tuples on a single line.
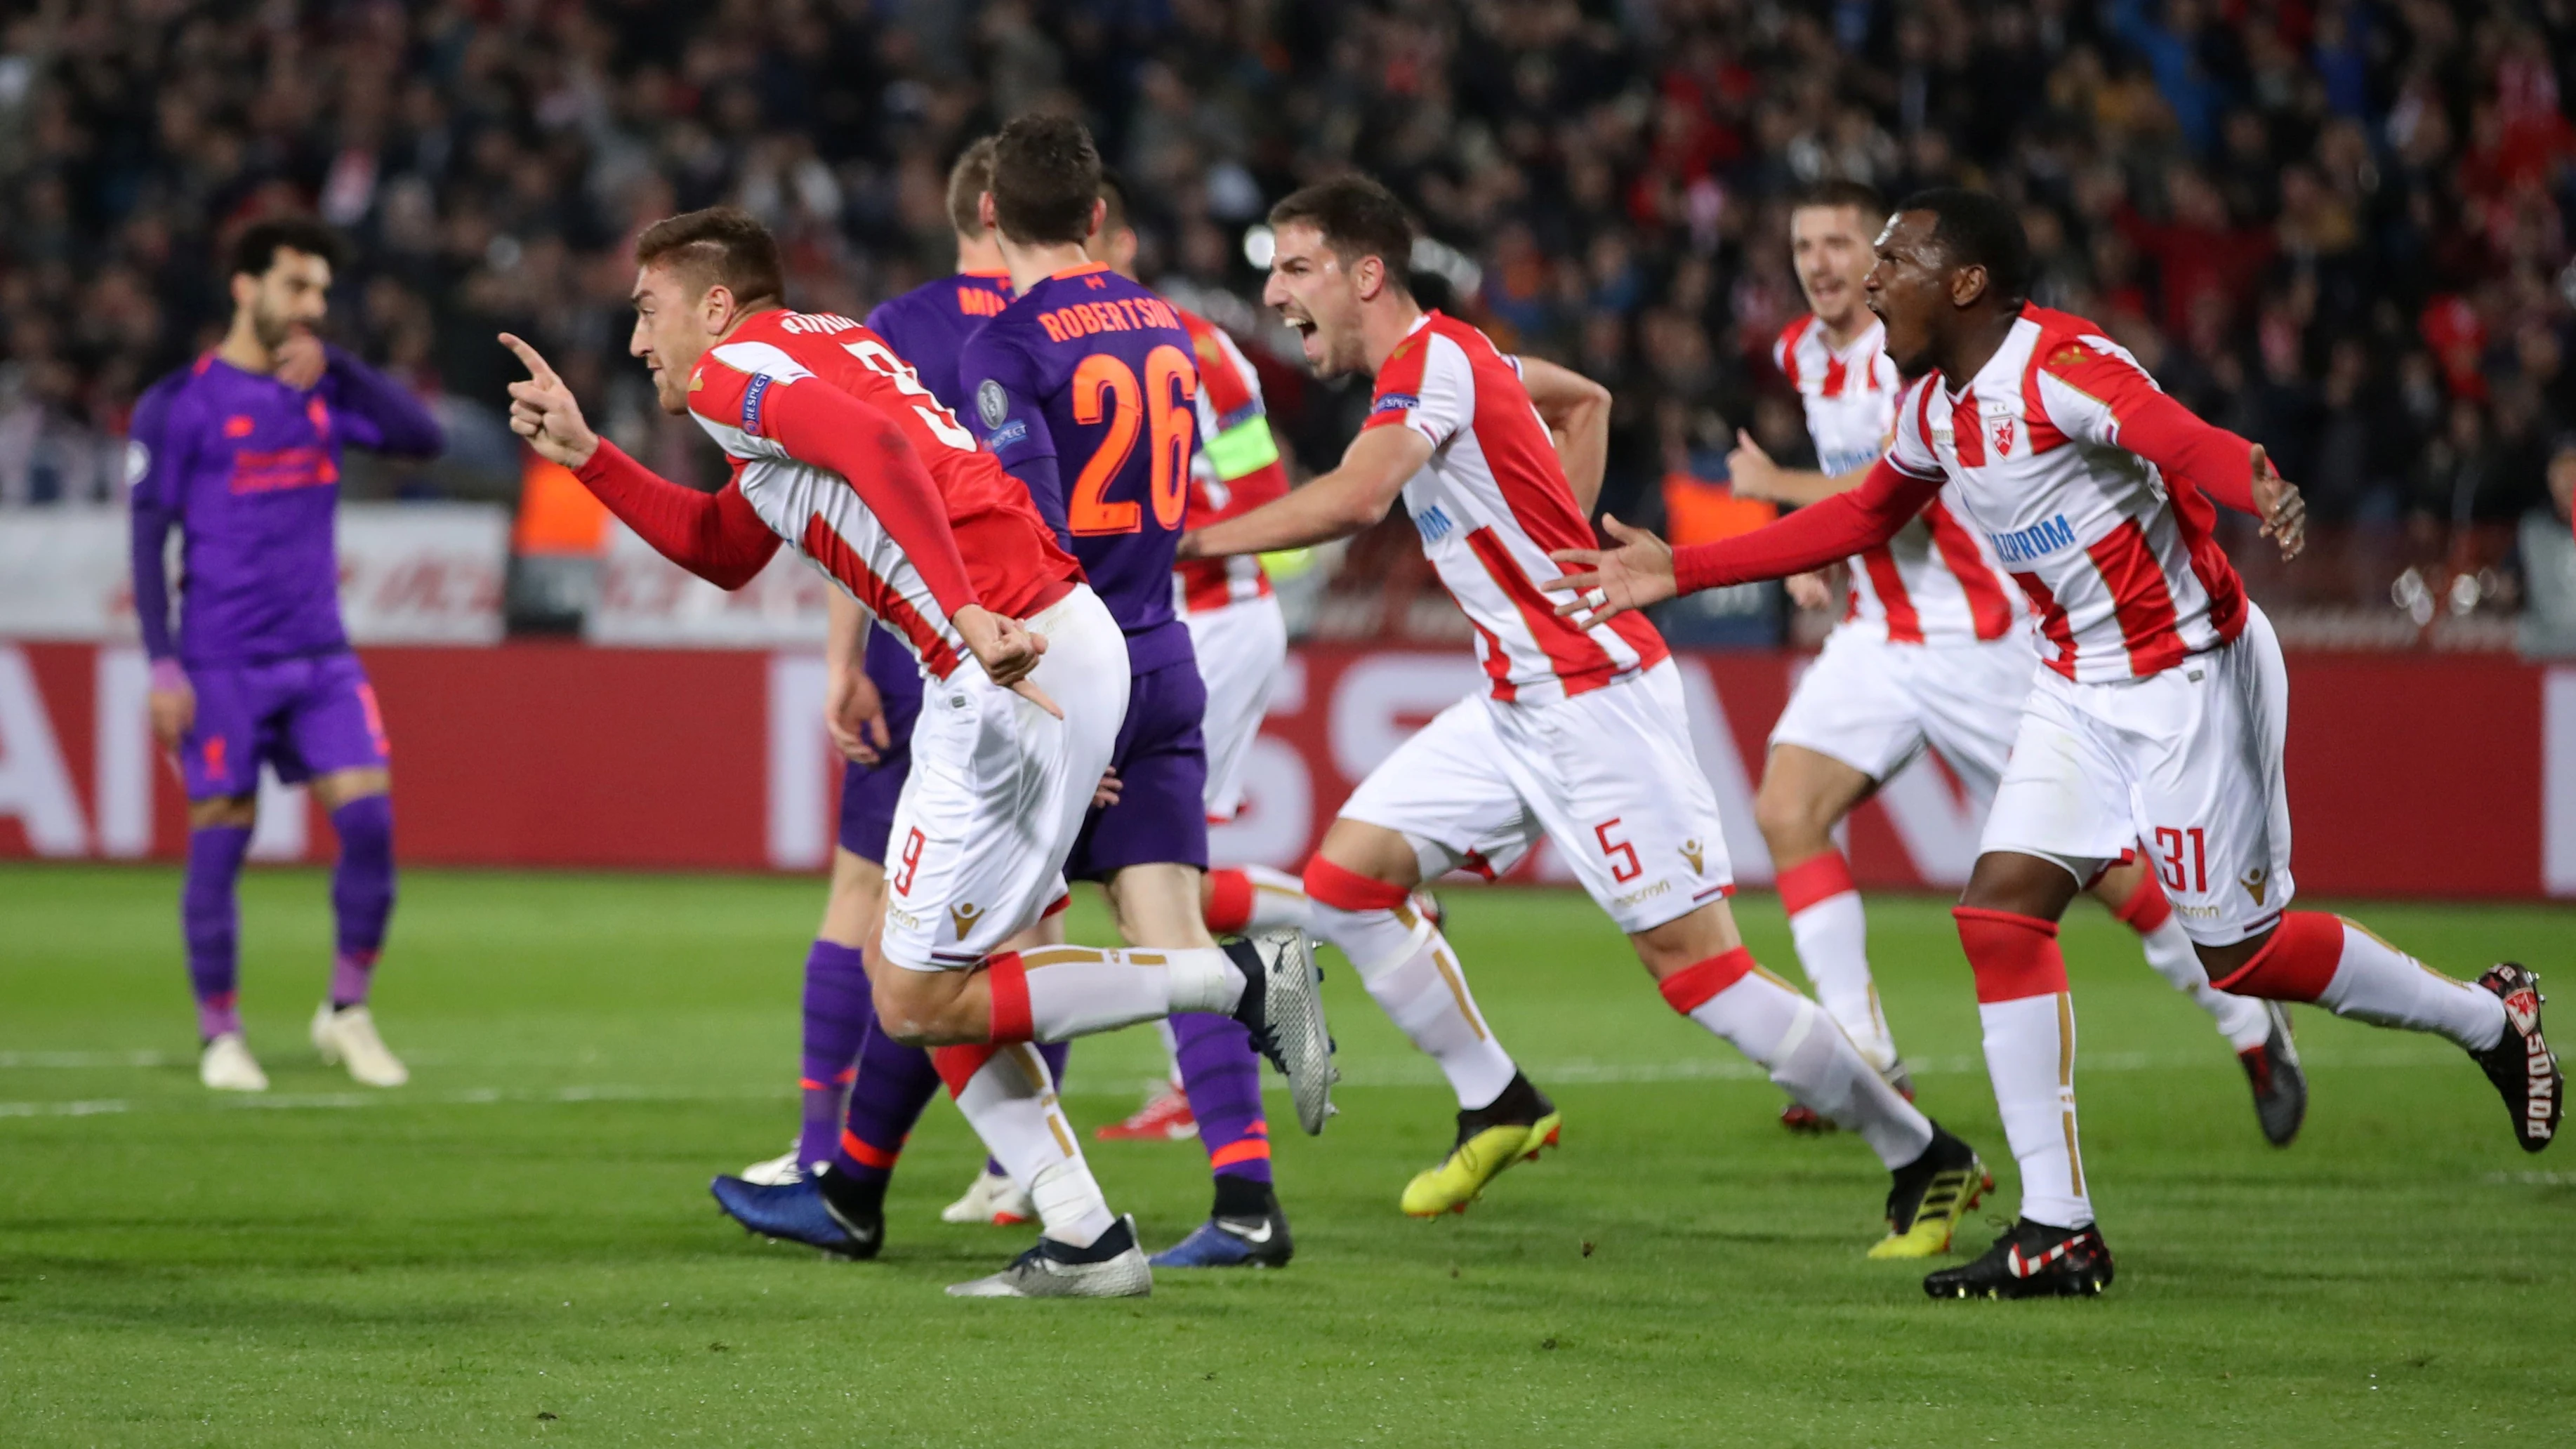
[(2339, 226)]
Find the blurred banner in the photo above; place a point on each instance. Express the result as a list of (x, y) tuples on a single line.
[(2411, 775), (645, 600), (410, 573)]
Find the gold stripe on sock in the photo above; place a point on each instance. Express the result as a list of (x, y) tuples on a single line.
[(1062, 956), (1457, 988), (2074, 1159), (1064, 1143), (2066, 1084), (1148, 958)]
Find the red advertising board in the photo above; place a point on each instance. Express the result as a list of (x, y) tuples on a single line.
[(2410, 775)]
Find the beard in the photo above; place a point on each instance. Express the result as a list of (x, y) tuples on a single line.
[(272, 330)]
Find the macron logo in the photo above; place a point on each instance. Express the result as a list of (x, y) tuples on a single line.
[(2024, 544), (1433, 524)]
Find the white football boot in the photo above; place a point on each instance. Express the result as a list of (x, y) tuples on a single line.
[(347, 1037), (778, 1171), (228, 1066), (1113, 1267), (994, 1199)]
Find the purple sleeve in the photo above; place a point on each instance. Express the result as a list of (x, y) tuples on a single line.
[(382, 414), (159, 470)]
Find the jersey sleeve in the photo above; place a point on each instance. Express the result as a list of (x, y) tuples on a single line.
[(1909, 451), (1001, 383), (1234, 422), (2096, 392), (761, 391), (716, 536), (382, 414), (1812, 537), (1425, 386), (156, 464)]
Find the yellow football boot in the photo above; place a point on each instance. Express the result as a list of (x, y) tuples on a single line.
[(1485, 1147), (1929, 1197)]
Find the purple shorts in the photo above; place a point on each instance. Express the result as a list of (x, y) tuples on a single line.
[(302, 717), (1161, 758), (868, 792)]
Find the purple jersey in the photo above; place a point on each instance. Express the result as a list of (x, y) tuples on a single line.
[(1086, 391), (248, 468)]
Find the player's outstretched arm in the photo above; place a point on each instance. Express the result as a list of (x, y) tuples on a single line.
[(1751, 474), (715, 536), (1647, 570), (2110, 400), (1353, 497), (1577, 410)]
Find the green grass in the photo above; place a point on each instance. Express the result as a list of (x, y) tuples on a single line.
[(519, 1246)]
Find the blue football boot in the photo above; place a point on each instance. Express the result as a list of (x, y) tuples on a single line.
[(800, 1212)]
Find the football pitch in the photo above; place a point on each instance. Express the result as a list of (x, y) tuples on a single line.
[(520, 1246)]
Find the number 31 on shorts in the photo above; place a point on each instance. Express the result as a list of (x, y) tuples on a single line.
[(2182, 859)]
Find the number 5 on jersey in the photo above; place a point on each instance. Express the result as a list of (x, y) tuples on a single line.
[(1163, 405)]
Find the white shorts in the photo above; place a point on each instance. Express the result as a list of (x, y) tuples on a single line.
[(2186, 764), (1610, 773), (1875, 705), (998, 790), (1240, 648)]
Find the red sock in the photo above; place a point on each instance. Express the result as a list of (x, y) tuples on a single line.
[(1010, 1020), (1817, 878), (1695, 985), (1348, 890), (1229, 907), (958, 1064), (2297, 964), (2146, 909), (2013, 956)]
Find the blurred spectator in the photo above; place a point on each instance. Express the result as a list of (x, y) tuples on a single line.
[(2338, 224), (2547, 540)]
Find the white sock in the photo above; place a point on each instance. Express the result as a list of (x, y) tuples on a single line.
[(1811, 1059), (2030, 1054), (2241, 1019), (1278, 899), (1171, 1051), (1832, 936), (2377, 983), (1077, 990), (1011, 1103), (1412, 973)]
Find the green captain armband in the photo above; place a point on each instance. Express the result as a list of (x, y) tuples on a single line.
[(1243, 448)]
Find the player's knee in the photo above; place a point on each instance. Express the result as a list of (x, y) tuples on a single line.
[(2023, 885), (366, 827), (1371, 852), (1792, 822), (239, 811)]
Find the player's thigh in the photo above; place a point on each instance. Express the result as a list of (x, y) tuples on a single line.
[(857, 894), (1611, 774), (1157, 904), (334, 727), (221, 750), (2209, 795), (1851, 705), (1970, 702), (1803, 795), (869, 793), (1688, 939), (1160, 815), (1446, 795), (2064, 795), (1240, 650)]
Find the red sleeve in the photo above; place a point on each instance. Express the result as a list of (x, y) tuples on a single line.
[(2165, 433), (1265, 484), (1810, 538), (818, 423), (716, 535)]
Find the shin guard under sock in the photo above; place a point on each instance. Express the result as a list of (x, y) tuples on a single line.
[(1800, 1046), (837, 1013), (210, 916), (1411, 972), (2029, 1020), (2338, 965), (362, 893), (1832, 936)]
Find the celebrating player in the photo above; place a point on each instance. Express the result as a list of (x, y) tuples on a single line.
[(1086, 391), (241, 452), (1580, 735), (2159, 719), (823, 422), (1931, 651), (863, 1090)]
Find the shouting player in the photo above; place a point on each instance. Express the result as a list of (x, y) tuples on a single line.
[(241, 452), (1580, 734), (862, 1090), (1932, 650), (1086, 389), (2159, 719), (839, 449)]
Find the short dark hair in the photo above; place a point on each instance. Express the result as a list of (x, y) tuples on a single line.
[(1358, 218), (968, 179), (1976, 229), (256, 249), (1046, 179), (1113, 194), (721, 244), (1836, 191)]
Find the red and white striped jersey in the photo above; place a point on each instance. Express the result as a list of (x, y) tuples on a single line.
[(1936, 582), (2117, 559), (1489, 505), (746, 393), (1234, 469)]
